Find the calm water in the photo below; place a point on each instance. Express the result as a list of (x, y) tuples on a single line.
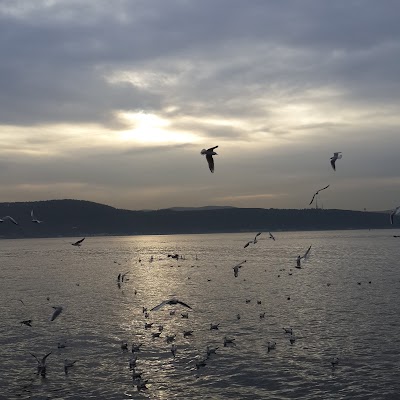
[(359, 323)]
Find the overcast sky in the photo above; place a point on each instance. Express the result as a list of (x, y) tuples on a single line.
[(112, 101)]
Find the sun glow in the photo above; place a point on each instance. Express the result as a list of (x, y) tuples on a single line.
[(150, 128)]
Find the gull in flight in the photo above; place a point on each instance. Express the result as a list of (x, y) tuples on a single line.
[(35, 220), (393, 213), (209, 153), (336, 156), (271, 236), (78, 243), (252, 241), (7, 217), (56, 313), (41, 363), (68, 364), (170, 302), (28, 322), (236, 268), (316, 193)]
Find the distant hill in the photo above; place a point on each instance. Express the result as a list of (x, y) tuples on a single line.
[(84, 218), (198, 208)]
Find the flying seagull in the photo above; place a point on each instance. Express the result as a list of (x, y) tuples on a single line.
[(209, 156), (271, 236), (10, 219), (41, 363), (336, 156), (236, 268), (393, 213), (28, 322), (56, 313), (78, 243), (316, 193), (171, 302), (35, 220)]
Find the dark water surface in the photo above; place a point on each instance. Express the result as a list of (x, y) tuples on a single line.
[(359, 323)]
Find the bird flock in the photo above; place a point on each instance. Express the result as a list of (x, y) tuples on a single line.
[(158, 334)]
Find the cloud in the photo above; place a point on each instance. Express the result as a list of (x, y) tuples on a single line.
[(109, 100)]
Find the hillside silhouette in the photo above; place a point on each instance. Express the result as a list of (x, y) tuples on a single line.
[(85, 218)]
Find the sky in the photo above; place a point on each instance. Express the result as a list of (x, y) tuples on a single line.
[(112, 102)]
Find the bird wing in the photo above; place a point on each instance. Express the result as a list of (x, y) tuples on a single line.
[(212, 148), (307, 252), (240, 264), (312, 199), (320, 190), (11, 219), (247, 244), (56, 313), (35, 357), (271, 236), (159, 306), (44, 358), (333, 163), (32, 214), (184, 304), (258, 234), (210, 161), (80, 241)]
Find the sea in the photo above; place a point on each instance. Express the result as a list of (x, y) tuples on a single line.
[(343, 303)]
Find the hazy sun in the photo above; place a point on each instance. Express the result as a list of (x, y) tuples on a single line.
[(150, 128)]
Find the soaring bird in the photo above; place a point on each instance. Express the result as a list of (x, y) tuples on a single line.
[(56, 313), (271, 236), (209, 153), (393, 213), (316, 193), (336, 156), (170, 302), (7, 217), (236, 268), (78, 243), (41, 363), (35, 220)]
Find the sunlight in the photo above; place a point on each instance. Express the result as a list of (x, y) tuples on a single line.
[(150, 128)]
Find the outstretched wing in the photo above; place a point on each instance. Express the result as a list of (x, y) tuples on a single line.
[(320, 190), (210, 161), (212, 148), (80, 241), (44, 358), (313, 198), (183, 304), (333, 163), (159, 306), (35, 358)]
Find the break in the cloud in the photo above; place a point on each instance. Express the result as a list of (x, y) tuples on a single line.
[(113, 101)]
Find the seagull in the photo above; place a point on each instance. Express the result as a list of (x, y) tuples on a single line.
[(213, 326), (7, 217), (316, 193), (27, 322), (211, 350), (334, 362), (228, 341), (336, 156), (35, 220), (78, 243), (288, 330), (209, 153), (271, 346), (174, 348), (68, 364), (236, 268), (393, 213), (56, 313), (271, 236), (41, 363), (171, 302)]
